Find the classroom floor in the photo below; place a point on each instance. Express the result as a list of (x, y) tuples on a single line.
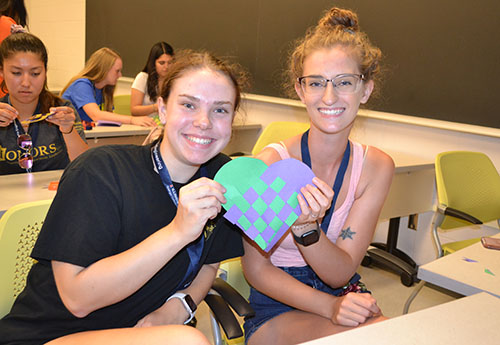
[(386, 287)]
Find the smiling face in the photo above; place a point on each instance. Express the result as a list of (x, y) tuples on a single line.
[(24, 74), (162, 63), (329, 111), (114, 73), (198, 114)]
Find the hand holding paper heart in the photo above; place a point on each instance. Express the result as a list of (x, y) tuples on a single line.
[(262, 200)]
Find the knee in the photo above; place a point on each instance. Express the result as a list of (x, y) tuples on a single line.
[(178, 334)]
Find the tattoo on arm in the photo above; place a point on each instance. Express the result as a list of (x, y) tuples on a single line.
[(347, 233)]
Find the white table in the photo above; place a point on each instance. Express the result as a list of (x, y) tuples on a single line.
[(454, 273), (243, 138), (124, 134), (465, 321), (411, 192), (19, 188)]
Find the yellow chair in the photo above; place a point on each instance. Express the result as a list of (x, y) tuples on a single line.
[(122, 104), (19, 228), (468, 192), (277, 131), (468, 189)]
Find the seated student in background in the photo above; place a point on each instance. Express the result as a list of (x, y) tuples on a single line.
[(49, 144), (13, 18), (91, 90), (133, 229), (146, 85), (332, 71)]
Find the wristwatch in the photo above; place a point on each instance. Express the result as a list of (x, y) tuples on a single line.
[(187, 302), (309, 237)]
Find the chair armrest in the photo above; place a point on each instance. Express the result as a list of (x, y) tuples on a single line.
[(224, 316), (453, 212), (232, 296)]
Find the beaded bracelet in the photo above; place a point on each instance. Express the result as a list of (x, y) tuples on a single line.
[(302, 226)]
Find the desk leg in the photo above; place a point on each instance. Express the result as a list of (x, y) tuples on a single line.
[(388, 256)]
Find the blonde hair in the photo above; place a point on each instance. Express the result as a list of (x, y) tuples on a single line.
[(96, 68), (338, 27)]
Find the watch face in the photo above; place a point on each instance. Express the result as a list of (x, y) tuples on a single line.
[(310, 237), (190, 303)]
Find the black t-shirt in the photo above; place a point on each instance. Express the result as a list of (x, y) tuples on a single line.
[(109, 199), (49, 149)]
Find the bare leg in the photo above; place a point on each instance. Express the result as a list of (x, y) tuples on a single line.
[(165, 335), (297, 326)]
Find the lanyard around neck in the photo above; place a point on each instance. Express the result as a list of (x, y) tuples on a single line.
[(164, 175), (195, 249), (306, 158), (35, 126)]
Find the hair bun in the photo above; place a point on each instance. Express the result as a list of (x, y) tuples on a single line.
[(339, 17)]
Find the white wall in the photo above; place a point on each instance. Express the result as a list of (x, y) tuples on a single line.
[(60, 24)]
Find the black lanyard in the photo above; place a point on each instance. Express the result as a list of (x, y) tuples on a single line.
[(339, 179), (195, 248)]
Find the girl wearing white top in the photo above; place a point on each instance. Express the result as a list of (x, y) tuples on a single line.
[(146, 86)]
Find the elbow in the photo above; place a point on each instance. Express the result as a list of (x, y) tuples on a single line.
[(77, 310), (76, 306)]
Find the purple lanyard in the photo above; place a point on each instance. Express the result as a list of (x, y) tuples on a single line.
[(195, 248), (339, 179)]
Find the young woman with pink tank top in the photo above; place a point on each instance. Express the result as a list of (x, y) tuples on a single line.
[(308, 287)]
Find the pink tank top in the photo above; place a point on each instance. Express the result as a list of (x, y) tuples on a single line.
[(287, 254)]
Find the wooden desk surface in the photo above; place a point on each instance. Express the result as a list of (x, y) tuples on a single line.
[(465, 321), (20, 188), (454, 273)]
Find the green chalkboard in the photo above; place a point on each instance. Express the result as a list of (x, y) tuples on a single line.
[(441, 56)]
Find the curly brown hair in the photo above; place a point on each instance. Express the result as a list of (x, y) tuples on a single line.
[(338, 27)]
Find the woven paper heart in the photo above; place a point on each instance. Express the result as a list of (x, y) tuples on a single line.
[(262, 200)]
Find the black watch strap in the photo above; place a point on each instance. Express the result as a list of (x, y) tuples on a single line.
[(309, 237)]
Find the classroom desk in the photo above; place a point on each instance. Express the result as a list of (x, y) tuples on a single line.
[(20, 188), (243, 138), (124, 134), (454, 273), (411, 192), (465, 321)]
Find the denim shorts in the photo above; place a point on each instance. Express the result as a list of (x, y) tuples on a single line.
[(266, 308)]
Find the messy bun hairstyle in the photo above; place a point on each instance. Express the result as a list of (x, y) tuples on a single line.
[(338, 27)]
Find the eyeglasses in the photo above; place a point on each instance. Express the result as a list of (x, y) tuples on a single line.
[(342, 83), (25, 159), (24, 142)]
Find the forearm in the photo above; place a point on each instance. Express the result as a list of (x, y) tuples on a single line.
[(143, 110), (114, 278), (74, 144), (109, 116), (202, 283), (332, 264)]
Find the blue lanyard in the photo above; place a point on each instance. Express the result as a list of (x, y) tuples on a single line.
[(34, 126), (195, 248), (339, 179)]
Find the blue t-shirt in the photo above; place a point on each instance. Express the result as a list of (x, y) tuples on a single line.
[(83, 92)]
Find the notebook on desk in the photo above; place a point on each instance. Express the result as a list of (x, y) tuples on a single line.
[(108, 123)]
